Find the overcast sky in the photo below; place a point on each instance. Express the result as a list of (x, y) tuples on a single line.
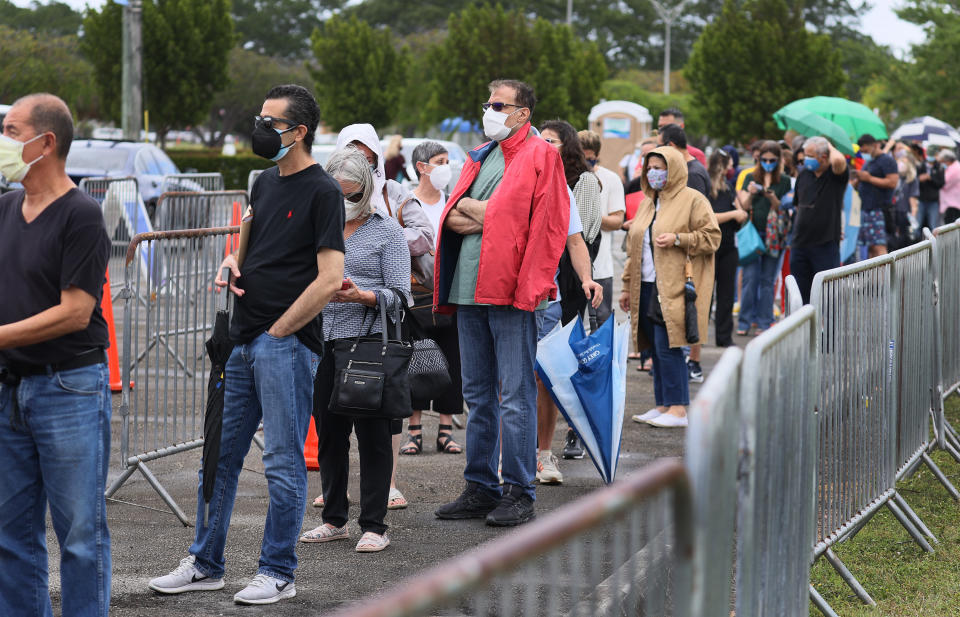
[(881, 23)]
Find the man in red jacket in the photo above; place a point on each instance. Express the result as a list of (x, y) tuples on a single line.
[(501, 237)]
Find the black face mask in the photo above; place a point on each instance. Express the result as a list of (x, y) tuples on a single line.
[(268, 143)]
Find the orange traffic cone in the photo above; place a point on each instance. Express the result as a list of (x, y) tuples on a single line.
[(233, 240), (113, 357), (310, 448)]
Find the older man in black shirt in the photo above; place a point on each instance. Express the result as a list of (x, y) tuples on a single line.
[(818, 196), (54, 396)]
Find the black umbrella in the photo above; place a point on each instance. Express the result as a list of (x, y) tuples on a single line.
[(219, 347), (690, 307)]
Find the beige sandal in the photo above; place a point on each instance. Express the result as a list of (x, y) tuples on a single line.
[(372, 543), (326, 533), (396, 500)]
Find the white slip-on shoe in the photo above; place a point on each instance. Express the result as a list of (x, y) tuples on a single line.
[(645, 418), (326, 533), (185, 577), (667, 420), (265, 589)]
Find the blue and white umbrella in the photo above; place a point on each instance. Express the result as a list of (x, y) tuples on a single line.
[(586, 376), (929, 131)]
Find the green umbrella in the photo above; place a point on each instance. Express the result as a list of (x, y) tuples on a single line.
[(810, 124), (854, 118)]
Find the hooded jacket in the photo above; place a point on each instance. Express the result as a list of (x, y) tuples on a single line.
[(687, 213), (417, 229), (524, 228)]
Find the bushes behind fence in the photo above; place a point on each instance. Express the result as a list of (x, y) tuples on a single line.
[(234, 169)]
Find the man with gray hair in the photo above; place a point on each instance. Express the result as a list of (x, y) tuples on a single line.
[(54, 394), (818, 196)]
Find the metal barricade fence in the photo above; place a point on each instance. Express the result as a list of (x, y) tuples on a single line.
[(252, 177), (124, 215), (193, 182), (947, 251), (200, 210), (794, 297), (776, 523), (622, 549), (857, 412), (168, 314), (916, 370), (712, 455)]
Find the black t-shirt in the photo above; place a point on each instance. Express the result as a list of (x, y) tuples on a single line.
[(723, 202), (697, 177), (819, 207), (873, 197), (930, 189), (293, 218), (65, 246)]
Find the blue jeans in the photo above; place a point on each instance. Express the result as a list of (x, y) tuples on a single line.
[(806, 261), (498, 347), (272, 379), (57, 453), (928, 214), (670, 378), (756, 302)]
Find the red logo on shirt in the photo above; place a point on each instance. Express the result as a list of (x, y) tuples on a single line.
[(290, 214)]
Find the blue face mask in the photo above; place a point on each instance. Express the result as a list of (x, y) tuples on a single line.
[(811, 164), (866, 157), (768, 167)]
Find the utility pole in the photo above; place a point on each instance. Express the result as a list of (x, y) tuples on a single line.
[(668, 15), (569, 12), (132, 94)]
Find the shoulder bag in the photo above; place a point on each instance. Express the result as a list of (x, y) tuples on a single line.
[(429, 371)]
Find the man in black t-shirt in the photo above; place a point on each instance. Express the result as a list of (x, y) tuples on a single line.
[(818, 199), (54, 382), (293, 266), (875, 183)]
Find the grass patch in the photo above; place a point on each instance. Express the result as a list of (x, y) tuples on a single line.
[(898, 574)]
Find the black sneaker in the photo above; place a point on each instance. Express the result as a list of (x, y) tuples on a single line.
[(472, 503), (695, 372), (515, 508), (572, 448)]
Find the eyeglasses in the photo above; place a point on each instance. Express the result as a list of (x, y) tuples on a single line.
[(355, 197), (552, 141), (268, 121), (769, 160), (498, 106)]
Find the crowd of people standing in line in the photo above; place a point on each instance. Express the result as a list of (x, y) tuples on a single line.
[(522, 243)]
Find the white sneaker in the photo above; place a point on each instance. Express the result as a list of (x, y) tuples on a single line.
[(667, 420), (265, 589), (547, 471), (185, 577), (650, 415)]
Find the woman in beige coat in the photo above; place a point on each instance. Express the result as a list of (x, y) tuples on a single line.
[(673, 225)]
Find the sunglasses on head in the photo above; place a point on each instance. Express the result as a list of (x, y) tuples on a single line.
[(498, 106)]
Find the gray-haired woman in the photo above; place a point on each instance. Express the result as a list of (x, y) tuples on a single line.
[(376, 260)]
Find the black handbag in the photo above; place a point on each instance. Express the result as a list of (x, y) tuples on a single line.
[(371, 372), (429, 371), (654, 310)]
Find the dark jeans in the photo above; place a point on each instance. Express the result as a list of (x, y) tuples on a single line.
[(376, 456), (670, 379), (725, 266), (806, 261)]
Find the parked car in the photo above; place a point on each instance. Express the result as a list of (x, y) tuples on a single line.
[(146, 162)]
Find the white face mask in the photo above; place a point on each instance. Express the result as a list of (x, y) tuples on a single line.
[(12, 165), (494, 124), (353, 211), (440, 176)]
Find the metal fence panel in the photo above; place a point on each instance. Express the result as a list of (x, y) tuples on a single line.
[(167, 316), (948, 266), (712, 450), (193, 182), (124, 214), (624, 549), (794, 298), (775, 533), (252, 177), (857, 417), (192, 210)]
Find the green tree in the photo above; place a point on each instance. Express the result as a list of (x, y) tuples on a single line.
[(359, 75), (186, 44), (754, 59), (486, 43), (280, 27), (46, 64), (55, 18), (655, 102)]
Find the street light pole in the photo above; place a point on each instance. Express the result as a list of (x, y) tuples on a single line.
[(668, 15), (569, 12), (132, 80)]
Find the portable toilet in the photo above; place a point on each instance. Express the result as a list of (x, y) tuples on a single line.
[(621, 125)]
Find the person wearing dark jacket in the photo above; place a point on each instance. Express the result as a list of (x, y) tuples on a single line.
[(930, 175)]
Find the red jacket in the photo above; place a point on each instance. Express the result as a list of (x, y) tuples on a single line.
[(524, 230)]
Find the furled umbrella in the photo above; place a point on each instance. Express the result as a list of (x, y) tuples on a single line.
[(219, 348), (929, 131), (691, 329), (586, 376), (809, 124), (854, 118)]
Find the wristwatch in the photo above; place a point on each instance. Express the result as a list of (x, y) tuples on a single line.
[(676, 242)]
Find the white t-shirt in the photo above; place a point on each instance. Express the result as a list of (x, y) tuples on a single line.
[(611, 200), (434, 211), (647, 272)]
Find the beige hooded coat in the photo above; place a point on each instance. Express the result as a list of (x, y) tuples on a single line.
[(687, 213)]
